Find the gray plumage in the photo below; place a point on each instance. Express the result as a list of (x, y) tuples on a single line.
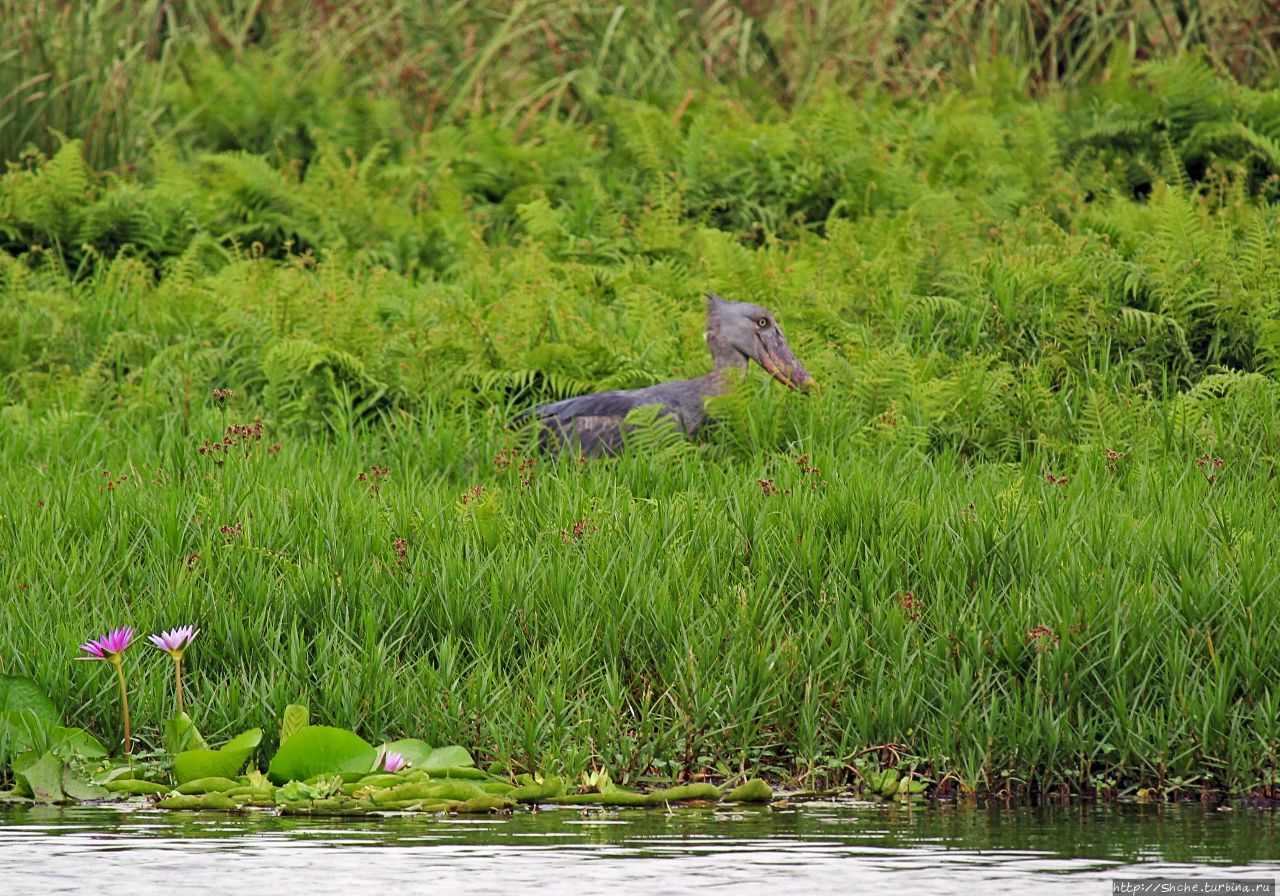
[(737, 332)]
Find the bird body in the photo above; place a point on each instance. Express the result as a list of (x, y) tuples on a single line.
[(737, 332)]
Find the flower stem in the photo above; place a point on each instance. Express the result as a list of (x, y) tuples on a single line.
[(177, 670), (124, 702)]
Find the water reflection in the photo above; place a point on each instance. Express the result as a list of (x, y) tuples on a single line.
[(822, 848)]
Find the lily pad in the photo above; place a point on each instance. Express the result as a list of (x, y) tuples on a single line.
[(423, 756), (412, 749), (136, 787), (447, 757), (532, 791), (208, 785), (80, 789), (40, 777), (753, 791), (203, 801), (320, 749), (225, 762)]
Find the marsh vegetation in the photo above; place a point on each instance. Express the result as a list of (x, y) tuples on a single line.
[(273, 281)]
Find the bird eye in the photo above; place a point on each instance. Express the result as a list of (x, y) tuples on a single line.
[(762, 322)]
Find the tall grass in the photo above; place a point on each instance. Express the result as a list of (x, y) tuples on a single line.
[(1113, 628), (120, 75)]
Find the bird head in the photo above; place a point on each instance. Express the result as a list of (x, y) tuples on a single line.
[(752, 331)]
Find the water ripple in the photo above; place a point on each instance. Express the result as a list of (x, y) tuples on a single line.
[(830, 848)]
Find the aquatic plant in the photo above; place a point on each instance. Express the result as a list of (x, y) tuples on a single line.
[(175, 643), (111, 647), (391, 762)]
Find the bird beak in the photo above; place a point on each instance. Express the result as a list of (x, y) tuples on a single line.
[(776, 357)]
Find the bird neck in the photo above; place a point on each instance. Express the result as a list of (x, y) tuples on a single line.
[(724, 355)]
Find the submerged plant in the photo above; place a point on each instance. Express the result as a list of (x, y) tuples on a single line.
[(111, 647), (175, 643)]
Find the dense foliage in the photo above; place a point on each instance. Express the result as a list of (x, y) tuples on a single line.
[(1023, 530)]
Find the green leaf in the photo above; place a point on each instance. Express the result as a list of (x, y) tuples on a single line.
[(181, 735), (81, 789), (19, 694), (326, 786), (70, 743), (41, 776), (295, 719), (22, 731), (120, 772), (320, 749), (259, 782), (414, 750), (26, 716), (225, 762), (446, 757), (136, 787), (753, 791), (208, 785), (295, 791)]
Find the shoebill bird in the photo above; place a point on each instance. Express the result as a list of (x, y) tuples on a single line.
[(737, 333)]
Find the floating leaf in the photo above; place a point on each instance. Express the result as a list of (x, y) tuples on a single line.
[(81, 789), (221, 763), (320, 749), (40, 776), (203, 801), (415, 751), (295, 719), (446, 757), (753, 791), (435, 760), (532, 791), (620, 797), (471, 773), (208, 785), (136, 787)]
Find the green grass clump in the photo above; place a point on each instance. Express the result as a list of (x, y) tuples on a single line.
[(1020, 539), (1120, 625)]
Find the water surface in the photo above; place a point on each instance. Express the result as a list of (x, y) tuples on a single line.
[(814, 848)]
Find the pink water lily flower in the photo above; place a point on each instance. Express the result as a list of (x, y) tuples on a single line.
[(109, 646), (390, 762), (175, 641)]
